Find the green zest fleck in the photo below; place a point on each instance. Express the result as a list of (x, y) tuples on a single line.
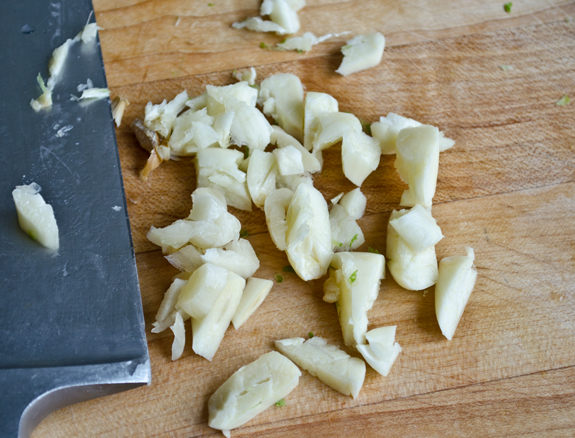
[(353, 239), (310, 334), (507, 7), (373, 251), (244, 233), (279, 278), (263, 46), (506, 67), (288, 268), (283, 42), (563, 101), (299, 51), (280, 403), (353, 277), (246, 153), (210, 4)]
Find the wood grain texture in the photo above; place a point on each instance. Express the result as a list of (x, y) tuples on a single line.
[(509, 133), (519, 320), (141, 41), (507, 189)]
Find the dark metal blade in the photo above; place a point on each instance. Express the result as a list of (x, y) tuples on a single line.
[(71, 322)]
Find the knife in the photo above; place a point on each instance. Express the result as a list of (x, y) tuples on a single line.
[(71, 321)]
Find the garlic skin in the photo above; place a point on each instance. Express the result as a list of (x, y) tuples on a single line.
[(417, 161), (208, 331), (255, 292), (410, 269), (361, 52), (417, 228), (315, 105), (382, 350), (308, 235), (281, 96), (387, 129), (36, 218), (251, 390), (456, 280), (276, 206), (358, 276), (328, 363), (360, 156), (119, 104)]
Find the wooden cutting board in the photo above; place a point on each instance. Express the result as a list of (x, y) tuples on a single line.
[(507, 189)]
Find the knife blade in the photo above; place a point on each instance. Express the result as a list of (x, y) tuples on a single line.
[(71, 322)]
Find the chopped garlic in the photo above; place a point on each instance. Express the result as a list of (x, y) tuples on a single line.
[(316, 104), (354, 203), (361, 52), (179, 337), (161, 117), (331, 127), (254, 294), (56, 62), (292, 182), (45, 99), (201, 291), (283, 139), (218, 168), (308, 236), (382, 350), (188, 258), (289, 161), (282, 97), (36, 218), (95, 93), (456, 280), (119, 104), (247, 75), (237, 256), (251, 390), (411, 270), (360, 156), (357, 276), (199, 102), (345, 232), (276, 205), (387, 129), (209, 331), (89, 33), (417, 228), (417, 161), (261, 176), (328, 363), (305, 42), (170, 299), (283, 12), (256, 24)]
